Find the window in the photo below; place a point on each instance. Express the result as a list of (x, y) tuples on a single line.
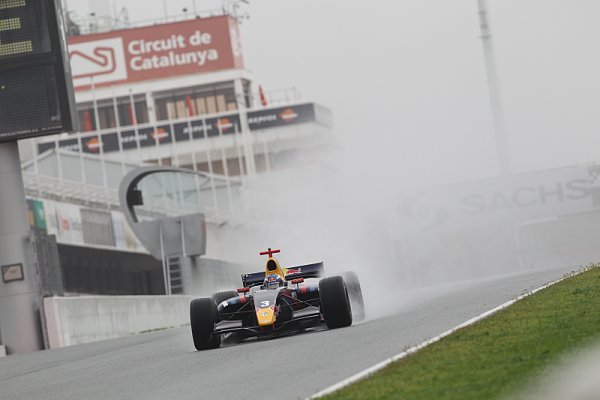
[(106, 113), (97, 228), (200, 100)]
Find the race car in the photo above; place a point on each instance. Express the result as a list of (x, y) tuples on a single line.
[(275, 302)]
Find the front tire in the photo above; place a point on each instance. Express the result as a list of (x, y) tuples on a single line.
[(355, 295), (220, 297), (335, 304), (203, 316)]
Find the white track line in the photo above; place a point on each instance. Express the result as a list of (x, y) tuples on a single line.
[(377, 367)]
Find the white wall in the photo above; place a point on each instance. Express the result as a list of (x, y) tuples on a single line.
[(76, 320)]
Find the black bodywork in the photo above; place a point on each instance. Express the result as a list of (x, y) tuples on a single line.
[(314, 270)]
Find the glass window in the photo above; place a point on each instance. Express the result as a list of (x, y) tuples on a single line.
[(200, 100), (168, 194), (106, 114), (87, 120)]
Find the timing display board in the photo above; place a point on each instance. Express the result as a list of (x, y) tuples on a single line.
[(23, 29), (36, 94)]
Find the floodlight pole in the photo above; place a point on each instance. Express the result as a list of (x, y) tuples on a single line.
[(493, 88), (20, 328)]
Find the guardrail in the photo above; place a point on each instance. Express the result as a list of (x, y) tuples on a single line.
[(78, 320)]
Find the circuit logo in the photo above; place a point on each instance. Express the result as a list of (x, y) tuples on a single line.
[(99, 61)]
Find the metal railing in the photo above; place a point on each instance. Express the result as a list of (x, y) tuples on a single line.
[(92, 180), (60, 189), (93, 24), (276, 97)]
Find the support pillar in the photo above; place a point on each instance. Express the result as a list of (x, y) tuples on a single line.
[(20, 330)]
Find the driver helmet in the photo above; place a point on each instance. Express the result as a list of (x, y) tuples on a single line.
[(273, 281)]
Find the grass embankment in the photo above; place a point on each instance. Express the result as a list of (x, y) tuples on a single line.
[(494, 357)]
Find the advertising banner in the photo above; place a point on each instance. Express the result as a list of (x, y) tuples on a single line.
[(163, 133), (510, 199), (154, 52), (39, 214), (124, 237), (64, 221), (36, 214), (277, 117)]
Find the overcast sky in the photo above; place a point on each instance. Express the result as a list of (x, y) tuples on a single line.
[(406, 78)]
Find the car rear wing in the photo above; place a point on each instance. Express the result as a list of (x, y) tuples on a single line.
[(315, 270)]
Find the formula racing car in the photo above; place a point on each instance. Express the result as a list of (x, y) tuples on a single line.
[(275, 302)]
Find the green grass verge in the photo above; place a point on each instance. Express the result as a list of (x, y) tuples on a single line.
[(494, 357)]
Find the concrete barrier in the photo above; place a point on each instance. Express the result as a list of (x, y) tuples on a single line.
[(2, 351), (76, 320)]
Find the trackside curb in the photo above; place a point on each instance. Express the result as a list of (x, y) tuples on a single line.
[(379, 366)]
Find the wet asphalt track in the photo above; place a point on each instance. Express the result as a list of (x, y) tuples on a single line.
[(164, 365)]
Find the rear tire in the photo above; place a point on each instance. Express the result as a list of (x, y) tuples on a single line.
[(355, 295), (203, 315), (335, 304), (220, 297)]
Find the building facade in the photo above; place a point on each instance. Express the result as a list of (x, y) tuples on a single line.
[(172, 94)]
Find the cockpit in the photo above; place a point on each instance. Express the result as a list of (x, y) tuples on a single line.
[(273, 281)]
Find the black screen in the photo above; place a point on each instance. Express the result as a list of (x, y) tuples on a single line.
[(23, 28), (28, 101), (36, 95)]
